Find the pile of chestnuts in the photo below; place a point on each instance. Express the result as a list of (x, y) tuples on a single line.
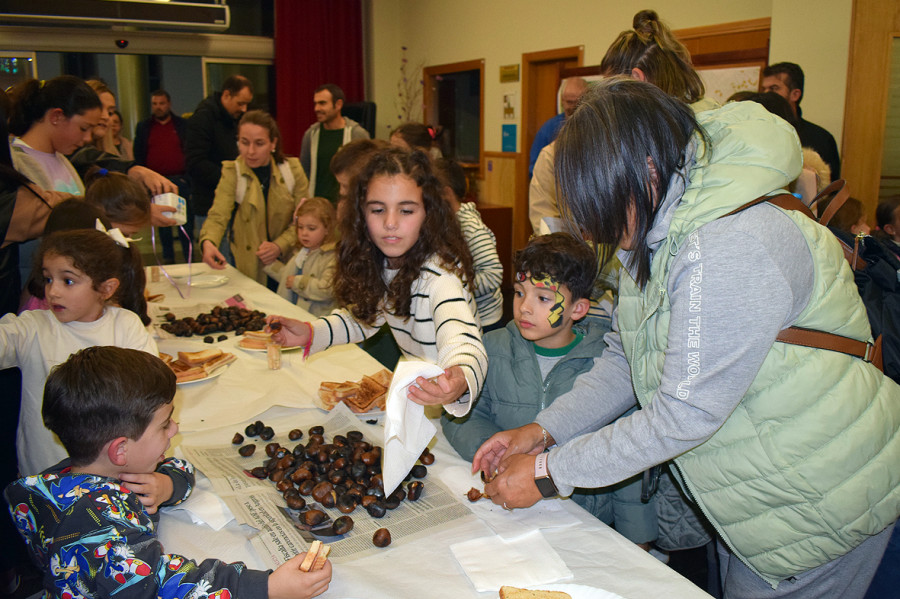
[(344, 474), (218, 320)]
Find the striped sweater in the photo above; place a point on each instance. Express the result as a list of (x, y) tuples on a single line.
[(443, 328), (488, 269)]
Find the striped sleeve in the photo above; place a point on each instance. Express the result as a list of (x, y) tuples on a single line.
[(488, 269), (339, 328), (458, 337)]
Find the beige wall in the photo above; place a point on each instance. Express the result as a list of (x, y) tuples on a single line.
[(499, 31)]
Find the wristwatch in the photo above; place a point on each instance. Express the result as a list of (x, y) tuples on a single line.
[(542, 477)]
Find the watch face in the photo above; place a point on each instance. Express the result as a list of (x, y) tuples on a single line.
[(545, 486)]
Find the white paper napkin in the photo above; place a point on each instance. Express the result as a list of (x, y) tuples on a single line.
[(528, 560), (407, 431), (205, 507)]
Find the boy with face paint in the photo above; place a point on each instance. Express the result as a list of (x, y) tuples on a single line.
[(537, 357)]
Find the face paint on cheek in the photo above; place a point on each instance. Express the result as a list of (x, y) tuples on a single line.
[(556, 311)]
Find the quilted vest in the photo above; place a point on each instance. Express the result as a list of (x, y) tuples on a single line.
[(805, 468)]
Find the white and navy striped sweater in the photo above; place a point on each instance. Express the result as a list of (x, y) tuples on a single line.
[(443, 328), (488, 269)]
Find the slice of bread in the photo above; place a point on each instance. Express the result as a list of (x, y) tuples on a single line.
[(310, 558), (507, 592), (198, 358)]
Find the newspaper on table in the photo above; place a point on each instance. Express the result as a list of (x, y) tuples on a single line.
[(259, 504)]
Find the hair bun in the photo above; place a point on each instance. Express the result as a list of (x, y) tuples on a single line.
[(646, 22)]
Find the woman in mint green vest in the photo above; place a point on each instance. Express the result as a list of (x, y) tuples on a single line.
[(790, 452)]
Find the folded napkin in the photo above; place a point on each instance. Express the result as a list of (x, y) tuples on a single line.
[(205, 507), (527, 560), (407, 431)]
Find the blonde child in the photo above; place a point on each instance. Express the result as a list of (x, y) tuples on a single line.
[(403, 261), (82, 273), (307, 279)]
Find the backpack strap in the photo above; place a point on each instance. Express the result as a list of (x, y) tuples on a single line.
[(832, 197), (870, 352)]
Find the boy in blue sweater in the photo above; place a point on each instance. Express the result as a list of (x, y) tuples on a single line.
[(537, 357), (90, 521)]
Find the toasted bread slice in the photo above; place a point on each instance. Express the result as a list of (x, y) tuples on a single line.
[(198, 358), (372, 387), (507, 592), (384, 377), (310, 558), (218, 362), (347, 389), (193, 373), (320, 559), (166, 358)]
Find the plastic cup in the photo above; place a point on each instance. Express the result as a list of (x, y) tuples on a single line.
[(175, 201)]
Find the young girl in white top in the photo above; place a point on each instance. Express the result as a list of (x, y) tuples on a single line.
[(402, 260), (307, 279), (83, 271)]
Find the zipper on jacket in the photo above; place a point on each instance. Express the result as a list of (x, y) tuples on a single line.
[(661, 292)]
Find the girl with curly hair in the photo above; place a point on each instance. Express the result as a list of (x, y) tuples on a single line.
[(402, 260)]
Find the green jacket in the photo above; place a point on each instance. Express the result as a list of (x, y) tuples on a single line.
[(513, 391), (805, 468)]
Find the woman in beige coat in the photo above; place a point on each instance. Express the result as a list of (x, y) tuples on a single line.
[(260, 189)]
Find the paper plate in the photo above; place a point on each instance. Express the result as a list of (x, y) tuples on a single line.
[(578, 591), (216, 373), (208, 280)]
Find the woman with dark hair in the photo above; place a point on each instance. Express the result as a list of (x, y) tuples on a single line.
[(255, 201), (789, 451)]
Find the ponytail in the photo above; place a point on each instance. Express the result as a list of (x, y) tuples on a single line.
[(32, 99)]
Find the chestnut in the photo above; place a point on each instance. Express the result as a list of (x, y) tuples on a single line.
[(301, 474), (368, 500), (414, 490), (376, 509), (295, 434), (339, 440), (427, 458), (222, 338), (247, 450), (369, 458), (346, 503), (321, 490), (391, 503), (343, 525), (266, 433), (259, 472), (314, 517), (286, 461), (277, 475), (251, 430), (237, 439), (209, 339), (381, 538), (354, 436), (419, 471), (293, 500), (281, 452), (307, 486), (474, 494), (285, 484), (317, 430), (271, 448)]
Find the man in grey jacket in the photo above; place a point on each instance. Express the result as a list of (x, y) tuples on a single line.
[(324, 138)]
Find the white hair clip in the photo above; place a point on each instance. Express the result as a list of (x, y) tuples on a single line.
[(116, 235)]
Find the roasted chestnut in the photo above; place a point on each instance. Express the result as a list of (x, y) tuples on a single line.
[(354, 436), (271, 448), (247, 450), (381, 538), (427, 457), (314, 517), (307, 486), (251, 430), (294, 500), (368, 500), (376, 509), (317, 430), (259, 472), (346, 503), (414, 490), (222, 337), (301, 474), (474, 494), (237, 439), (321, 490), (284, 484), (419, 471), (343, 525), (208, 339), (277, 475), (295, 434), (266, 433)]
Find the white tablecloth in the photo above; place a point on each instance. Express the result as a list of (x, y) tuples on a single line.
[(596, 555)]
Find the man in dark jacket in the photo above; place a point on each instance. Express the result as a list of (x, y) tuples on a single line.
[(159, 144), (212, 138)]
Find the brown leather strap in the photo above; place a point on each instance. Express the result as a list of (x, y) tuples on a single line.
[(810, 338), (840, 193)]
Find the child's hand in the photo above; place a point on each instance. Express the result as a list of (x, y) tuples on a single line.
[(289, 332), (289, 582), (290, 281), (151, 489), (268, 252), (443, 389), (212, 255)]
